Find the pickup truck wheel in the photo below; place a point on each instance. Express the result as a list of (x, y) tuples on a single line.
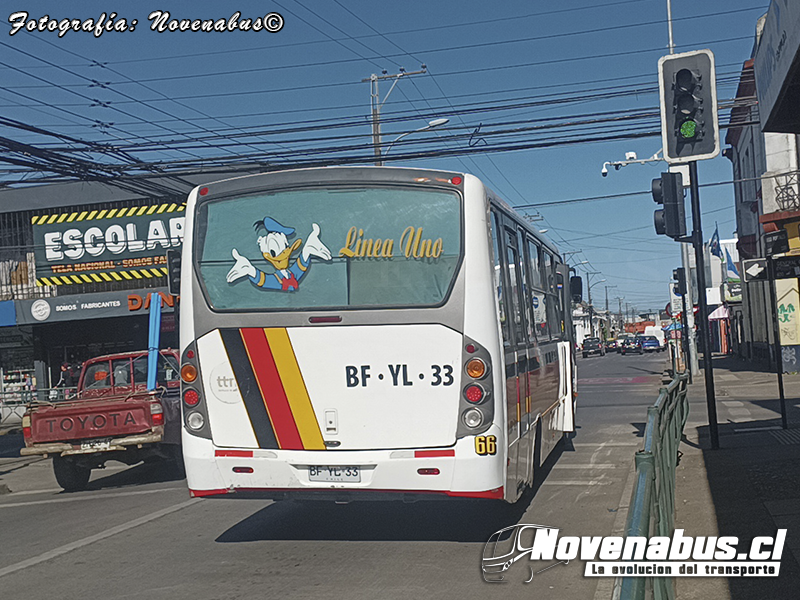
[(70, 475)]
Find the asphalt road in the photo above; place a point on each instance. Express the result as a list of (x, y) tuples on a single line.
[(136, 533)]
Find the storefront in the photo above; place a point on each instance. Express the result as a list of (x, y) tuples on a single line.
[(77, 265), (777, 68), (70, 329)]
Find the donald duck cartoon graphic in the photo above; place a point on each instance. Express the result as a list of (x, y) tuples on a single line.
[(276, 250)]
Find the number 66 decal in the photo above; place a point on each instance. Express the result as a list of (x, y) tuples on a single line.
[(485, 444)]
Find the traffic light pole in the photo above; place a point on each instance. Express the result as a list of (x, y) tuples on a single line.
[(697, 242)]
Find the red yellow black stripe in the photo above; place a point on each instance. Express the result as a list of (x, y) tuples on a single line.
[(249, 388), (272, 392), (273, 388)]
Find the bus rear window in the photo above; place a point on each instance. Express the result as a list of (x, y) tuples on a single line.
[(329, 248)]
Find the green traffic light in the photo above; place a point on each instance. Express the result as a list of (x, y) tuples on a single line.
[(688, 129)]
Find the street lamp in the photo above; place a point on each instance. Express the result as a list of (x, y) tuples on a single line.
[(608, 314), (589, 287), (430, 125)]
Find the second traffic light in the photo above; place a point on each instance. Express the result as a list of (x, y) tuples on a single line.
[(668, 191), (679, 275), (174, 271)]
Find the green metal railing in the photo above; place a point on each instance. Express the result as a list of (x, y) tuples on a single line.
[(652, 508)]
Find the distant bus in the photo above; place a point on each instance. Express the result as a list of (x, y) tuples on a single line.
[(369, 332)]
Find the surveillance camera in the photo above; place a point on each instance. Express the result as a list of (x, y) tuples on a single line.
[(604, 172), (630, 156)]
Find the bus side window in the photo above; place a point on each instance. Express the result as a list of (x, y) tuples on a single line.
[(498, 278), (514, 308), (525, 298)]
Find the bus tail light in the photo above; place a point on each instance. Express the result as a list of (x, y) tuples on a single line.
[(473, 418), (188, 373), (476, 368), (156, 413), (476, 390), (474, 393), (191, 398), (195, 420), (193, 405), (428, 471)]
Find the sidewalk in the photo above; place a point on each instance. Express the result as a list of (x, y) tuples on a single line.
[(750, 486)]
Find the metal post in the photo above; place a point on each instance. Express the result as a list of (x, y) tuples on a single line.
[(154, 340), (376, 103), (685, 330), (777, 338), (376, 118), (697, 235), (694, 363), (669, 23)]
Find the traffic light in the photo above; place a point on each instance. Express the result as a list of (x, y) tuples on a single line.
[(679, 275), (689, 122), (668, 191), (174, 272)]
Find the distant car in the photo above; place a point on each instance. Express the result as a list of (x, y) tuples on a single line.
[(611, 345), (650, 343), (631, 346), (592, 345)]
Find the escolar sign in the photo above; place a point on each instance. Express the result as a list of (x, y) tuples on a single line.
[(116, 244)]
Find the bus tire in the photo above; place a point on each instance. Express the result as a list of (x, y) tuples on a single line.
[(71, 475)]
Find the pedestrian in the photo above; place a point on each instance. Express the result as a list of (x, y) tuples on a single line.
[(67, 376)]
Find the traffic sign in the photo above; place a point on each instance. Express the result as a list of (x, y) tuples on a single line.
[(755, 269), (787, 267)]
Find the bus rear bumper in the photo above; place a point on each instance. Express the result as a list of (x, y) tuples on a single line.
[(407, 475)]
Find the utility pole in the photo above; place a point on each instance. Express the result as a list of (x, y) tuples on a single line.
[(376, 103)]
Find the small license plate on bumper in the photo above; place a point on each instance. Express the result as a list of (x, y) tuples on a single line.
[(334, 474), (96, 445)]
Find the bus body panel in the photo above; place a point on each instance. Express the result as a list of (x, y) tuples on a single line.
[(380, 383), (345, 388), (227, 415)]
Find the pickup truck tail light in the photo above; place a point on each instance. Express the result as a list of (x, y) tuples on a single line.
[(156, 413), (26, 427)]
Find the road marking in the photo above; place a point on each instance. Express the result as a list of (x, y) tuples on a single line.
[(578, 482), (606, 444), (95, 538), (596, 466), (30, 492), (72, 498), (609, 380), (753, 429)]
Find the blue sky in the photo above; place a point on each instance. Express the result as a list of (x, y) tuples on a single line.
[(519, 56)]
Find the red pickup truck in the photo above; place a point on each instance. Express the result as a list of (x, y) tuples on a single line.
[(112, 417)]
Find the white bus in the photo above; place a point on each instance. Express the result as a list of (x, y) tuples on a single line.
[(369, 332)]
